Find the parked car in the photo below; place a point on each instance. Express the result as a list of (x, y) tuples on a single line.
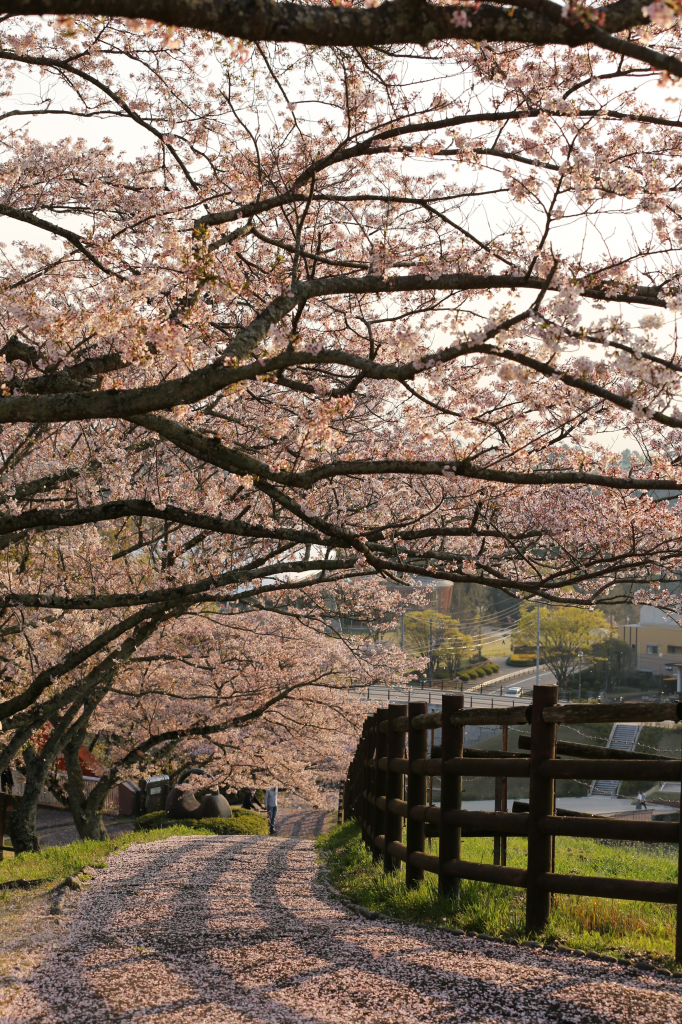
[(513, 691)]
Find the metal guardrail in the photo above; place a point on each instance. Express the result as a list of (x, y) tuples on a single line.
[(412, 694)]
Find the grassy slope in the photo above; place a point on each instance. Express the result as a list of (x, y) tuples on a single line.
[(620, 927)]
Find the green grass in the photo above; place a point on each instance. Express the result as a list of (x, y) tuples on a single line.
[(620, 927), (55, 863)]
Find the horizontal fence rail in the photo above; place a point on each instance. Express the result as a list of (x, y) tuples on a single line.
[(386, 786)]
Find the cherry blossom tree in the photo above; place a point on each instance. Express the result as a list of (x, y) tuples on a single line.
[(291, 317), (250, 693), (233, 695)]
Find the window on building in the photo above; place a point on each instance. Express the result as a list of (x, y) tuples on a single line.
[(652, 648), (674, 650)]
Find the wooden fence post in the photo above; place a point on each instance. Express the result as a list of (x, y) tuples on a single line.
[(369, 783), (541, 804), (416, 793), (395, 789), (450, 838), (500, 840), (379, 781), (678, 928), (364, 785)]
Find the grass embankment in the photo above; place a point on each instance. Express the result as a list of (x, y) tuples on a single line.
[(620, 927)]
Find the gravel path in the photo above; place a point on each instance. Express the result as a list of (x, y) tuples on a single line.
[(236, 930)]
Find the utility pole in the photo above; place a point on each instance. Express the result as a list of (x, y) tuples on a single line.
[(580, 674), (480, 635), (402, 632), (430, 650)]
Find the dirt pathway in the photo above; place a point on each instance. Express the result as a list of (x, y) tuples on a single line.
[(236, 930), (303, 823)]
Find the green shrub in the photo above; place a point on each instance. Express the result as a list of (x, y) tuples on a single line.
[(246, 824), (521, 660), (242, 822), (156, 819)]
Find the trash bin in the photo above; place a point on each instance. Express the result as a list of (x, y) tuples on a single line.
[(129, 799), (155, 793)]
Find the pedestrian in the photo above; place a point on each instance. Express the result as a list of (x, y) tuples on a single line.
[(251, 800), (642, 797), (271, 807), (6, 781)]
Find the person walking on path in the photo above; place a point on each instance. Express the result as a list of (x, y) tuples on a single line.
[(271, 808), (251, 801)]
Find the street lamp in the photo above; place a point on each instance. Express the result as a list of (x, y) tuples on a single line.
[(580, 674)]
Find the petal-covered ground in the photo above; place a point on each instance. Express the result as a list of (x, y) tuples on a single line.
[(236, 930)]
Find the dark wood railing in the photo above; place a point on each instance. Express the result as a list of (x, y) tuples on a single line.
[(387, 784)]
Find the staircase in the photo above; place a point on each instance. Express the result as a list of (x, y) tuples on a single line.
[(624, 736)]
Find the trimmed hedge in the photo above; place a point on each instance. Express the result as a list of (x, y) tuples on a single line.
[(478, 671), (242, 823), (521, 660)]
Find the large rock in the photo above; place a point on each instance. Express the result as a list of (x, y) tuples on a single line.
[(214, 805), (181, 803)]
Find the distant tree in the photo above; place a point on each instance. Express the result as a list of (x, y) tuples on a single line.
[(428, 633), (458, 647), (564, 632), (612, 659)]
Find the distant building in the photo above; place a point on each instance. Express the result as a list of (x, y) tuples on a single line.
[(656, 641)]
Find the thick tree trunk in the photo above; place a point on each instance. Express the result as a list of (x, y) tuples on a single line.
[(87, 810), (92, 826), (21, 823)]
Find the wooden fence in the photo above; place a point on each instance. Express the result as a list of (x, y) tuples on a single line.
[(48, 799), (393, 751)]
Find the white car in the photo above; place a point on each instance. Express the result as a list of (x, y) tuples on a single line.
[(513, 691)]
